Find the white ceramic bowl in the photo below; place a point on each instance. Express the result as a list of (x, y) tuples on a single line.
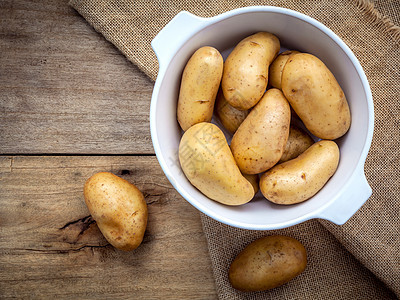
[(345, 192)]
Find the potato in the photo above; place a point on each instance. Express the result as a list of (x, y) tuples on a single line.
[(245, 76), (253, 179), (208, 164), (298, 142), (259, 142), (119, 209), (301, 178), (276, 68), (230, 117), (199, 86), (267, 263), (316, 96)]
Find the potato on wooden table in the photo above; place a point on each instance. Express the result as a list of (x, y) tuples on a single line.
[(119, 209)]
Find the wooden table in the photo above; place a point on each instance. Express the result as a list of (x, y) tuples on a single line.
[(71, 105)]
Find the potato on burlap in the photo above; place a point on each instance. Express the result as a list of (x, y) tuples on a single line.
[(267, 263)]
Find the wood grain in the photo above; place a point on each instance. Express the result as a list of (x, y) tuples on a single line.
[(64, 88), (51, 248)]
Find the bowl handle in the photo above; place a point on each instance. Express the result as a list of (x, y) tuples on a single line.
[(355, 194), (172, 36)]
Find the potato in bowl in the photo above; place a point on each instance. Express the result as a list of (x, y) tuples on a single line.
[(296, 31)]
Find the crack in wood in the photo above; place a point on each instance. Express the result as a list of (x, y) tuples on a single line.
[(85, 223), (62, 251), (152, 202), (157, 200), (74, 230)]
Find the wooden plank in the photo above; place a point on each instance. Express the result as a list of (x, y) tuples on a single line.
[(51, 248), (64, 88)]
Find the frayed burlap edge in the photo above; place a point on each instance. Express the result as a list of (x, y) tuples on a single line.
[(377, 19)]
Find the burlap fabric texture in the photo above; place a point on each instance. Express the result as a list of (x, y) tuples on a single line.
[(360, 259)]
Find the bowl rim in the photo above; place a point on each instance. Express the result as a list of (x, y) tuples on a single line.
[(206, 22)]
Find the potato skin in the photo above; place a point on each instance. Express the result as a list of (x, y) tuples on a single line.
[(259, 142), (301, 178), (316, 96), (230, 117), (119, 209), (199, 86), (267, 263), (245, 75), (298, 142), (253, 179), (208, 164), (276, 68)]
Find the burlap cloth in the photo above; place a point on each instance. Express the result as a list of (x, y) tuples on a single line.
[(361, 259)]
